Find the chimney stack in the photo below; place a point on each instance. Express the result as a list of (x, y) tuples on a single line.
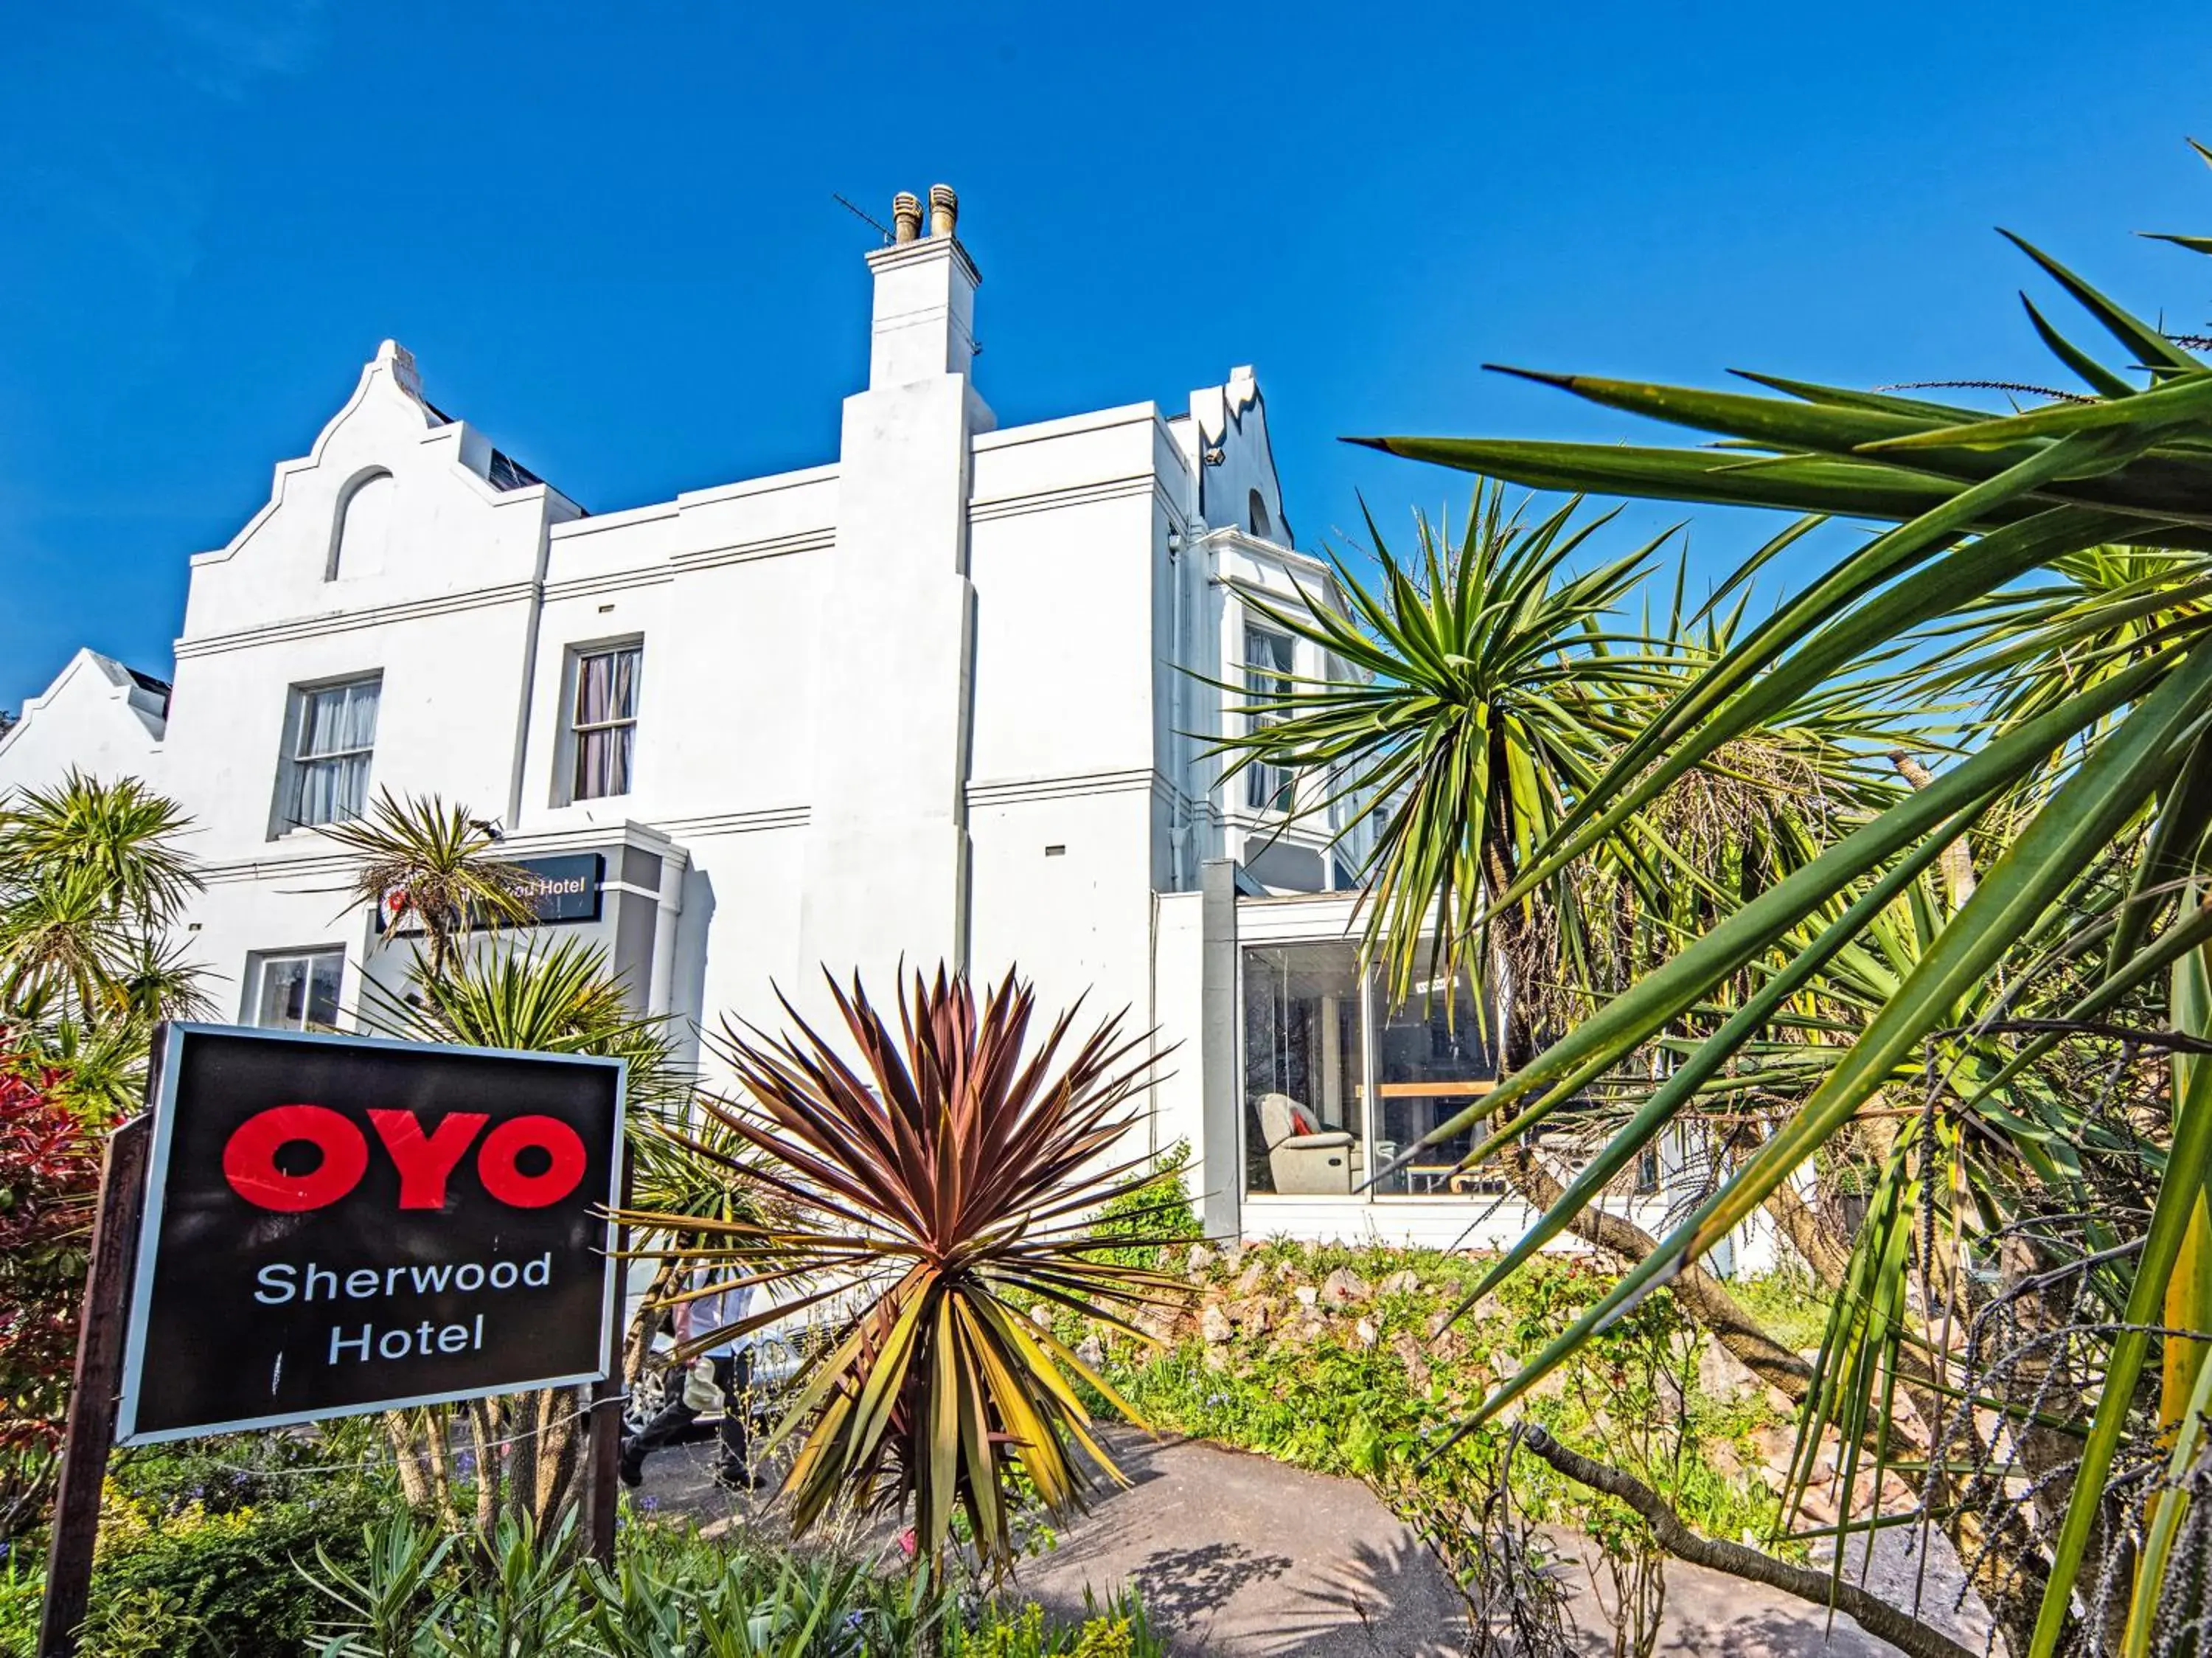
[(906, 217), (943, 209)]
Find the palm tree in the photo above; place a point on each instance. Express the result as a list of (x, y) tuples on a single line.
[(1492, 691), (423, 860), (556, 998), (2107, 748), (92, 883)]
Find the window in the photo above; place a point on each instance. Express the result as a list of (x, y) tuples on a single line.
[(1430, 1064), (1266, 679), (1304, 1028), (297, 991), (364, 525), (333, 738), (603, 721), (1338, 1084), (1255, 516)]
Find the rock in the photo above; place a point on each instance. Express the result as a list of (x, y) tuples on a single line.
[(1249, 1280), (1041, 1316), (1489, 1309), (1159, 1323), (1252, 1315), (1775, 1447), (1407, 1352), (1214, 1326), (1306, 1294), (1723, 1376), (1091, 1351), (1365, 1332), (1217, 1358), (1343, 1287), (1201, 1258), (1403, 1282)]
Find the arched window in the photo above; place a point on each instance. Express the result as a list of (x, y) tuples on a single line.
[(1257, 520), (364, 523)]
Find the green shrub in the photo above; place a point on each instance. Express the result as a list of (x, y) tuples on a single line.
[(1120, 1629), (1153, 1216), (190, 1581), (22, 1588), (1375, 1389)]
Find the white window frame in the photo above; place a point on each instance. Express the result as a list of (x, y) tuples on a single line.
[(1268, 789), (258, 965), (575, 730), (293, 770)]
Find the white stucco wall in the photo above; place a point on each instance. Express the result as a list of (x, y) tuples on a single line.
[(933, 697)]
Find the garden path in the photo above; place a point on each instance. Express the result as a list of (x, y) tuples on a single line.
[(1240, 1556)]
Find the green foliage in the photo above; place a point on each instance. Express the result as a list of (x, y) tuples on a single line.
[(1119, 1629), (1152, 1216), (23, 1589), (955, 1169), (405, 1593), (2055, 558), (423, 861), (190, 1581), (1381, 1403), (1788, 1305)]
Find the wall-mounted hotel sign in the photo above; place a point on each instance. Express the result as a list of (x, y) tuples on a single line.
[(563, 887), (335, 1225)]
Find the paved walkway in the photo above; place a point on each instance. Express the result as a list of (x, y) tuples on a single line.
[(1239, 1557)]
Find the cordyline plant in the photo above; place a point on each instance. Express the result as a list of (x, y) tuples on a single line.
[(942, 1189), (420, 859), (2097, 677)]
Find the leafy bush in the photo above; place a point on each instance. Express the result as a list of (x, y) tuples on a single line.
[(50, 1162), (1374, 1389), (214, 1575), (1121, 1629), (1152, 1216), (21, 1589), (672, 1593)]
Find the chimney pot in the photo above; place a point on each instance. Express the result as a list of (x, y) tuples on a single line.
[(943, 209), (906, 217)]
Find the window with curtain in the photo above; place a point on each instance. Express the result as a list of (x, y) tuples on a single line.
[(334, 738), (604, 721), (299, 992), (1267, 677)]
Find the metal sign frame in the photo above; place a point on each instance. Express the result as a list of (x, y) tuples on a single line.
[(162, 1096)]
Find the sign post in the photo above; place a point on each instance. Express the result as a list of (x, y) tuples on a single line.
[(308, 1226), (90, 1430)]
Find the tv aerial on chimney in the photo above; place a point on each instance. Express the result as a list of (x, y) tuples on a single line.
[(864, 218)]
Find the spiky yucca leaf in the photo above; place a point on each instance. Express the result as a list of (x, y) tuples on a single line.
[(424, 861), (2111, 741), (946, 1181)]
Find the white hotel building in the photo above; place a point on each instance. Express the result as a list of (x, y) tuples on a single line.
[(942, 697)]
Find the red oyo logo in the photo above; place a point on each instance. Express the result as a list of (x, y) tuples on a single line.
[(426, 1161)]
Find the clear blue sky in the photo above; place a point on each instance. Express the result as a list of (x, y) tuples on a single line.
[(606, 231)]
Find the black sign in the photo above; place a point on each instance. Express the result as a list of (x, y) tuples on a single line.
[(335, 1225), (563, 888), (566, 888)]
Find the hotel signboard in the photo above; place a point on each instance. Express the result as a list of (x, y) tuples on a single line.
[(335, 1225)]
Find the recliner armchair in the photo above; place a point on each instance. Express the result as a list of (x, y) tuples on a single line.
[(1326, 1162)]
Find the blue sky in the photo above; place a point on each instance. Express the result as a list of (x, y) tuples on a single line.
[(607, 233)]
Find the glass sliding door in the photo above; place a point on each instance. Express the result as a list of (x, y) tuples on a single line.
[(1433, 1061), (1304, 1069)]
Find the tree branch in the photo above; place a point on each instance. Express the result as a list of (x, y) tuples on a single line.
[(1875, 1615)]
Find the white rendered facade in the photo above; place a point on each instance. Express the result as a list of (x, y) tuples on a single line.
[(942, 698)]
